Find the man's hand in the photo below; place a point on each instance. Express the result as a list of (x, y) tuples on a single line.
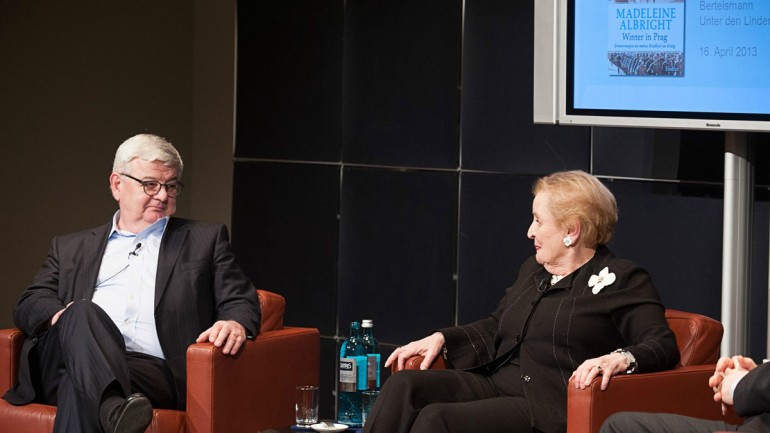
[(55, 317), (727, 372), (429, 347), (229, 333)]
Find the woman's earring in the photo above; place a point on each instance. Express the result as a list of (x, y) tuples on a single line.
[(567, 241)]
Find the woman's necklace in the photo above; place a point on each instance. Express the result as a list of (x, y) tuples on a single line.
[(556, 278)]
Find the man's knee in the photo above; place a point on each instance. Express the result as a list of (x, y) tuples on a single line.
[(433, 418), (83, 315), (622, 422), (609, 425), (82, 308)]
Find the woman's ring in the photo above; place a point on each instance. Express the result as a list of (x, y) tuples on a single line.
[(598, 367)]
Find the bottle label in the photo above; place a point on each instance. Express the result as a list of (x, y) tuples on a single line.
[(373, 371), (348, 375)]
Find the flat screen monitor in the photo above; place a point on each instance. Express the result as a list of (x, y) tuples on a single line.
[(702, 64)]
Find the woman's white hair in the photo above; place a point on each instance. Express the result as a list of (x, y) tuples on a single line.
[(149, 148), (579, 195)]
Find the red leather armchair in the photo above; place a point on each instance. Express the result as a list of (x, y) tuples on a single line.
[(250, 392), (683, 390)]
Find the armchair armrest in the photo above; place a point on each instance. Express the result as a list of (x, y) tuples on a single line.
[(10, 348), (222, 391), (414, 362), (682, 391)]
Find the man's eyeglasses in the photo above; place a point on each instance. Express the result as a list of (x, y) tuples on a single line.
[(152, 187)]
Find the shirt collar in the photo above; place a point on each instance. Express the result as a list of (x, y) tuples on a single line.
[(159, 225)]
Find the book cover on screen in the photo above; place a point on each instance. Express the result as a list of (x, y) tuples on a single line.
[(646, 38)]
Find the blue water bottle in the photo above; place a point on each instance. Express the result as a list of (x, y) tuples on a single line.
[(372, 355), (352, 378)]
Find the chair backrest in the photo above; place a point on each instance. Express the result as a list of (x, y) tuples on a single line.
[(698, 337), (272, 306)]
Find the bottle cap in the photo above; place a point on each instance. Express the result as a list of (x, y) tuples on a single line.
[(367, 323)]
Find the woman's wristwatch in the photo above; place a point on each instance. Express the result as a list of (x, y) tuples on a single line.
[(630, 360)]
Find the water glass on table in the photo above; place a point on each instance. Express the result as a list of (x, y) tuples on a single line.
[(306, 406), (367, 402)]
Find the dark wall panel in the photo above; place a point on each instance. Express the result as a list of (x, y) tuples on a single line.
[(402, 73), (397, 249), (327, 402), (497, 129), (285, 236), (669, 154), (289, 79), (636, 153), (495, 214), (675, 231), (677, 237), (761, 144), (691, 156)]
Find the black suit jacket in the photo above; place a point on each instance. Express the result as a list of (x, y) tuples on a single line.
[(550, 330), (752, 399), (198, 282)]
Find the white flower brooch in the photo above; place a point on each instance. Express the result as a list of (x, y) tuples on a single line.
[(599, 282)]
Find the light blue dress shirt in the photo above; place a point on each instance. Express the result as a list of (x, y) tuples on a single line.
[(125, 287)]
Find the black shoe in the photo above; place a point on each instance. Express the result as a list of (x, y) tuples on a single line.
[(131, 416)]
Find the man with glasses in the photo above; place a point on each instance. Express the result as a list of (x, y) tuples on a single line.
[(110, 314)]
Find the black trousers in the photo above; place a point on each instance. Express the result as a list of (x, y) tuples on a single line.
[(444, 401), (81, 356), (640, 422)]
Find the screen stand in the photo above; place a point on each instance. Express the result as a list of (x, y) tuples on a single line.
[(736, 245)]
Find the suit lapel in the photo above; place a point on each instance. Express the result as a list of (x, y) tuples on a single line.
[(93, 253), (173, 240)]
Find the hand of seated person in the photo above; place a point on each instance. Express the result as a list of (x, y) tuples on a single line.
[(606, 366), (726, 374), (715, 381), (229, 333), (55, 317), (429, 347)]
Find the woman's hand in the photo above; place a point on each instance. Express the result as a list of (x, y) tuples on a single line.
[(606, 366), (429, 347)]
